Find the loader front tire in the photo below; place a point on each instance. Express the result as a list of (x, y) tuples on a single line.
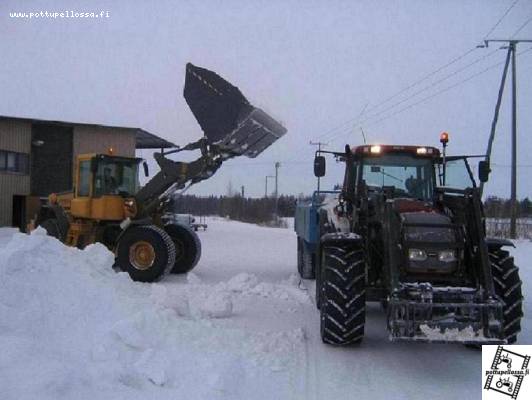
[(187, 246), (342, 294), (51, 226), (146, 252), (508, 286)]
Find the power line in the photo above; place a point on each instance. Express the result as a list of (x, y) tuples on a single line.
[(424, 89), (521, 27), (500, 19), (416, 83), (425, 99), (425, 77)]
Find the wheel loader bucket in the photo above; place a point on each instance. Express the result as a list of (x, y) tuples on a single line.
[(227, 118)]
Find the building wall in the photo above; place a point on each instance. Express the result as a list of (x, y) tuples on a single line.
[(94, 139), (14, 136)]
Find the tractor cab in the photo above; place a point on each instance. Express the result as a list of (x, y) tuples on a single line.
[(399, 171), (103, 186)]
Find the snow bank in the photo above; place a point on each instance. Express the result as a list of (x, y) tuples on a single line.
[(71, 327)]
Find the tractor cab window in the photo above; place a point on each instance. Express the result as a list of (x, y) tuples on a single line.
[(116, 177), (457, 174), (404, 175)]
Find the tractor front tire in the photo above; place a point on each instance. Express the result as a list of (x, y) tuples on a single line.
[(342, 294), (187, 247), (146, 252), (508, 287)]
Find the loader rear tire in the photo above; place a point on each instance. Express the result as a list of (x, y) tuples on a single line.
[(342, 294), (146, 252), (508, 287), (51, 226), (187, 246)]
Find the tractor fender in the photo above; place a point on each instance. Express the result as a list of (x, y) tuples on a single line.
[(131, 223), (497, 243)]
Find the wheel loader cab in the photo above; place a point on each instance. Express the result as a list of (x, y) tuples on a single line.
[(104, 187)]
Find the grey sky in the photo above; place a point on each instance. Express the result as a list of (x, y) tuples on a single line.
[(313, 65)]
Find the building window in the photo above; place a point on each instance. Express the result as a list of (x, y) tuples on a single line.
[(11, 161)]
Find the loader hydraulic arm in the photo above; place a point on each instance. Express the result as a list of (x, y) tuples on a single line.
[(175, 175)]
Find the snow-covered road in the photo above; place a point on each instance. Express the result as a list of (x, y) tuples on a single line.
[(240, 326)]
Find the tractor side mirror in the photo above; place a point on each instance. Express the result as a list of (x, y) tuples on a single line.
[(319, 166), (146, 170), (483, 171)]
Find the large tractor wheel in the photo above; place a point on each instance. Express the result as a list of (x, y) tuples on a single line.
[(508, 287), (187, 247), (342, 294), (51, 226), (146, 252)]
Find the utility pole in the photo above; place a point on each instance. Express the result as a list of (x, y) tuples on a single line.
[(242, 189), (512, 44), (319, 144)]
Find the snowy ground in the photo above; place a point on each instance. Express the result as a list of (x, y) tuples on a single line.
[(240, 326)]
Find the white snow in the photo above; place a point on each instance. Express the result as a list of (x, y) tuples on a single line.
[(240, 326), (454, 334)]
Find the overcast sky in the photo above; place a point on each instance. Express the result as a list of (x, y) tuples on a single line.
[(312, 65)]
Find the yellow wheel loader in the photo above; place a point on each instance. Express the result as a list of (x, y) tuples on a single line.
[(107, 205)]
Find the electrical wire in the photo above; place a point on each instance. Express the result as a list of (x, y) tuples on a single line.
[(521, 27), (500, 19), (425, 99), (425, 77)]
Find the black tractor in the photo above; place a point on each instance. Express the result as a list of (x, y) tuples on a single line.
[(407, 229)]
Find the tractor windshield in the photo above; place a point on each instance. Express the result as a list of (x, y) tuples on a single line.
[(406, 175), (116, 176)]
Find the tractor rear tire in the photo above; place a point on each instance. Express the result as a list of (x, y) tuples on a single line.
[(187, 247), (508, 287), (342, 294), (146, 252), (51, 226)]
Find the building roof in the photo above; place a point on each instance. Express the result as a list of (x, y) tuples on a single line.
[(144, 139)]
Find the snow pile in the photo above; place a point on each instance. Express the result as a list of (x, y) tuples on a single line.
[(451, 334), (71, 327)]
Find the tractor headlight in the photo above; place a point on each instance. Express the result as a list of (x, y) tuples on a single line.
[(417, 255), (447, 256)]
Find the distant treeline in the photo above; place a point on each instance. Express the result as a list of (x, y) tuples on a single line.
[(495, 207), (262, 210), (259, 211)]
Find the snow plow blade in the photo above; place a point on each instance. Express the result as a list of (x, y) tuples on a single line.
[(226, 117)]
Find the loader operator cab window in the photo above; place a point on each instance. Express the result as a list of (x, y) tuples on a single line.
[(405, 175), (116, 177)]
